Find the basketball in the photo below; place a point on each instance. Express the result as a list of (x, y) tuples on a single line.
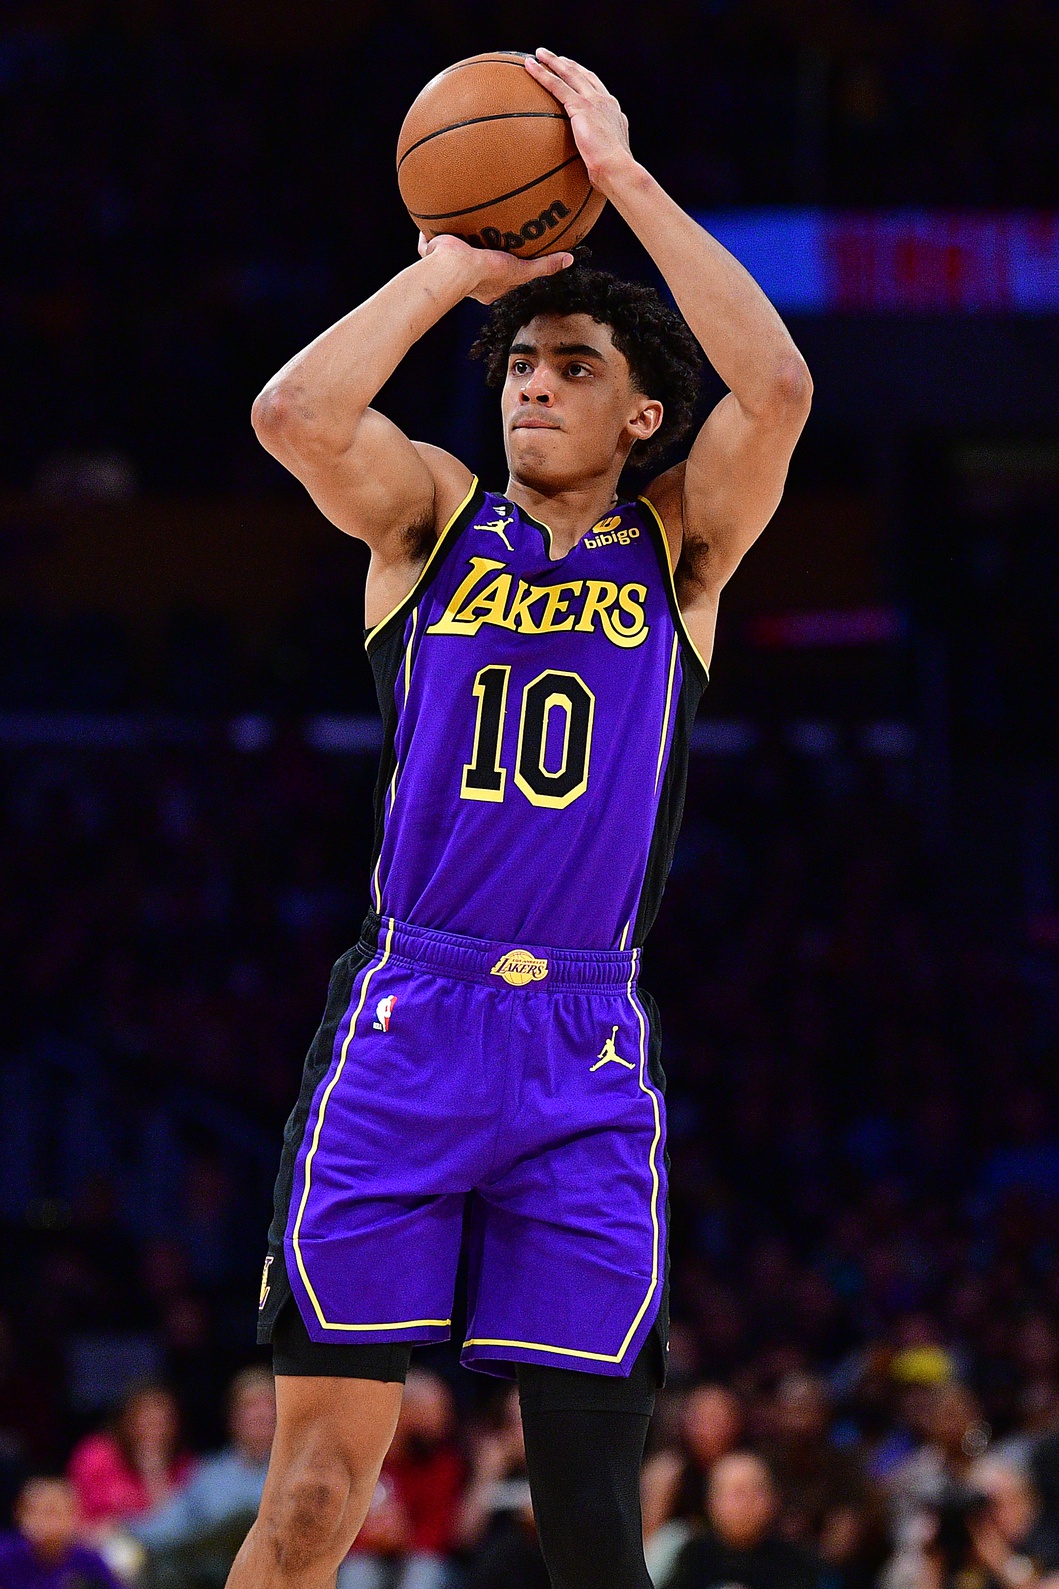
[(487, 154)]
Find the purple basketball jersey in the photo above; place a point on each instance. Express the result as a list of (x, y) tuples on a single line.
[(536, 716)]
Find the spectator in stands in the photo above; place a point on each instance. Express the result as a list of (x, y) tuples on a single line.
[(427, 1469), (1043, 1543), (380, 1551), (741, 1544), (511, 1559), (135, 1466), (975, 1535), (956, 1436), (827, 1504), (673, 1485), (198, 1530), (902, 1385), (496, 1518), (414, 1511), (44, 1552), (1003, 1530)]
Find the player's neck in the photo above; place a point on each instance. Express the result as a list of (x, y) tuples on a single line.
[(569, 513)]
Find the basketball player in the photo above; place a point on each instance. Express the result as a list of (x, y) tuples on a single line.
[(487, 1069)]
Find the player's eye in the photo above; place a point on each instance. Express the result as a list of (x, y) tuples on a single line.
[(572, 369), (520, 367)]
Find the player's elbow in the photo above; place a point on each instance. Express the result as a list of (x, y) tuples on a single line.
[(790, 388), (288, 425), (275, 416)]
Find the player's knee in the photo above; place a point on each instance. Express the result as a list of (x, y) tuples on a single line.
[(603, 1547), (310, 1520)]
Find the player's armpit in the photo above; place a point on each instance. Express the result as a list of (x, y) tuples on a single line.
[(397, 558), (696, 596)]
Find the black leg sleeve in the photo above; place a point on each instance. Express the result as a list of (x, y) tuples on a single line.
[(584, 1473)]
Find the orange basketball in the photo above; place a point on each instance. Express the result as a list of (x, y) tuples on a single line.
[(488, 154)]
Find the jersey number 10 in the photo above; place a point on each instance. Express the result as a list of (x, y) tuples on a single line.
[(484, 778)]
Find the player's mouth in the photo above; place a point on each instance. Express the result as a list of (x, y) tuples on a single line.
[(532, 422)]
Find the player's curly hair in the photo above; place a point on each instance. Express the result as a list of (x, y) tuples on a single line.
[(664, 359)]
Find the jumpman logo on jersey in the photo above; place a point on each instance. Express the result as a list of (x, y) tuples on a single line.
[(607, 1054), (500, 526)]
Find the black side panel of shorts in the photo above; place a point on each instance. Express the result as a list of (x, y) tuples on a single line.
[(660, 1332), (275, 1286), (294, 1354), (572, 1390)]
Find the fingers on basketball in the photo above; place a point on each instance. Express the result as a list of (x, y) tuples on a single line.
[(578, 78)]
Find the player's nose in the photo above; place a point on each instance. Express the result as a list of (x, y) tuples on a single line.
[(536, 388)]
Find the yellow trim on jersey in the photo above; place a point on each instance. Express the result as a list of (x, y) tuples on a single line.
[(682, 626), (404, 1324), (408, 658), (665, 714), (615, 1357), (426, 566)]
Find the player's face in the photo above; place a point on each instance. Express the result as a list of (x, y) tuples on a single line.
[(569, 405)]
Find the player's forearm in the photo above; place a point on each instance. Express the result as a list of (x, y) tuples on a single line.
[(322, 394), (737, 327)]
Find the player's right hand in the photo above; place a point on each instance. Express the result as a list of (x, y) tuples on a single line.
[(495, 272)]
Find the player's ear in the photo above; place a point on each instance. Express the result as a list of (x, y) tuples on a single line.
[(646, 420)]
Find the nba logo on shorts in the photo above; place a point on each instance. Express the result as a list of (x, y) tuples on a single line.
[(383, 1011)]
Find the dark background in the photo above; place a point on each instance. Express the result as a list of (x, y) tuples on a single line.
[(858, 952)]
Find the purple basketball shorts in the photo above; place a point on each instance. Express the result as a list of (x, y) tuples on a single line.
[(508, 1083)]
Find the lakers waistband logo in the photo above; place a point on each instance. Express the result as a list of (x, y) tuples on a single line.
[(608, 1054), (518, 967)]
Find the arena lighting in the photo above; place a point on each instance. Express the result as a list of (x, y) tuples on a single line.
[(897, 261), (848, 626)]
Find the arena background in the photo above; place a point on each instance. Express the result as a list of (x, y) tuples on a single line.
[(858, 954)]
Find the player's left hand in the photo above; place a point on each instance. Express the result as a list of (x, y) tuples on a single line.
[(601, 130)]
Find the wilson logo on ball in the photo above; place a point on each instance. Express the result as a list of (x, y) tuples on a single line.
[(490, 237)]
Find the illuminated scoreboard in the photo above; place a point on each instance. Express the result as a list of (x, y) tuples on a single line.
[(897, 261)]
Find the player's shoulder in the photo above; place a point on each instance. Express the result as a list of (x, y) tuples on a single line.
[(666, 496), (454, 482)]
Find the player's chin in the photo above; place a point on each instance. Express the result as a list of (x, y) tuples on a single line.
[(541, 452)]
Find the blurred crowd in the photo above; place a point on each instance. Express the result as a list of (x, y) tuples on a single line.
[(188, 196), (864, 1372), (766, 1486)]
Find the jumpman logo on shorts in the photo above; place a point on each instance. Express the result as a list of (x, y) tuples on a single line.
[(607, 1053), (500, 526)]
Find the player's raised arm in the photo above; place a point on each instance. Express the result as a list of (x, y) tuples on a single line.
[(716, 505), (315, 417)]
